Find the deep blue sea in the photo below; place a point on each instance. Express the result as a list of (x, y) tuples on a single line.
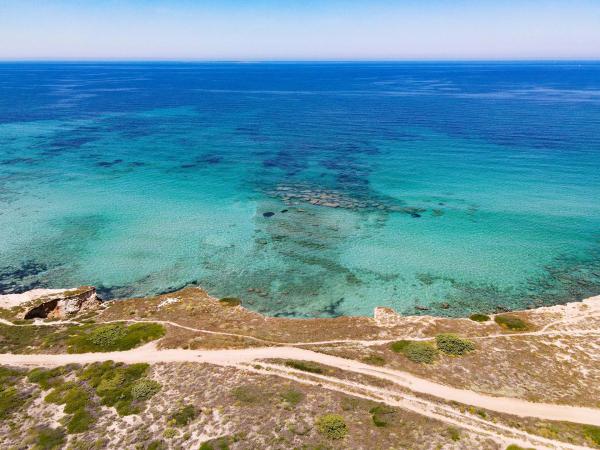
[(306, 189)]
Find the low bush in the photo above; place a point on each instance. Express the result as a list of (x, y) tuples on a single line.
[(451, 344), (113, 337), (454, 434), (479, 317), (183, 415), (332, 425), (375, 360), (48, 438), (306, 366), (416, 351), (511, 322), (381, 415)]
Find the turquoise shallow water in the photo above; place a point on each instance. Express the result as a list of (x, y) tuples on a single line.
[(475, 185)]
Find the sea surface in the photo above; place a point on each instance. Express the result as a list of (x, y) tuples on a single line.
[(305, 189)]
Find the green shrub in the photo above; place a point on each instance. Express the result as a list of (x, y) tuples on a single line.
[(332, 426), (183, 416), (79, 422), (381, 415), (592, 433), (49, 438), (511, 322), (230, 301), (306, 366), (516, 447), (221, 443), (144, 389), (416, 351), (479, 317), (452, 344), (113, 337), (114, 384), (170, 433), (292, 396)]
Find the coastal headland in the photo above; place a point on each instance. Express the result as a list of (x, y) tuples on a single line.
[(190, 370)]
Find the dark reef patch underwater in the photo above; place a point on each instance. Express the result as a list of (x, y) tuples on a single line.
[(305, 189)]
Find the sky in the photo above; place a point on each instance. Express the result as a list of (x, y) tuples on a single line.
[(299, 29)]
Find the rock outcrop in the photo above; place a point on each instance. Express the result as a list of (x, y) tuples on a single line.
[(61, 305)]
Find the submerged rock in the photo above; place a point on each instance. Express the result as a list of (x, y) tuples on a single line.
[(268, 214)]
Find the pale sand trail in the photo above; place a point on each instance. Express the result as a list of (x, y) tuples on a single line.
[(149, 354)]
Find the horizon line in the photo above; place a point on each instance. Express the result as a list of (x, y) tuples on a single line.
[(291, 60)]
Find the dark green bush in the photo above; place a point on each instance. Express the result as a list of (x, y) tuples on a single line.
[(9, 401), (231, 301), (332, 425), (184, 415), (479, 317), (511, 322), (592, 433), (49, 438), (416, 351), (46, 378), (113, 337), (452, 344), (306, 366)]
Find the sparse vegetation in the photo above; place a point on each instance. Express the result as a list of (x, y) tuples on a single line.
[(113, 337), (451, 344), (306, 366), (292, 397), (246, 394), (511, 322), (416, 351), (479, 317), (332, 425)]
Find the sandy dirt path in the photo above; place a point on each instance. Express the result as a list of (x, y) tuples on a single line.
[(150, 354)]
